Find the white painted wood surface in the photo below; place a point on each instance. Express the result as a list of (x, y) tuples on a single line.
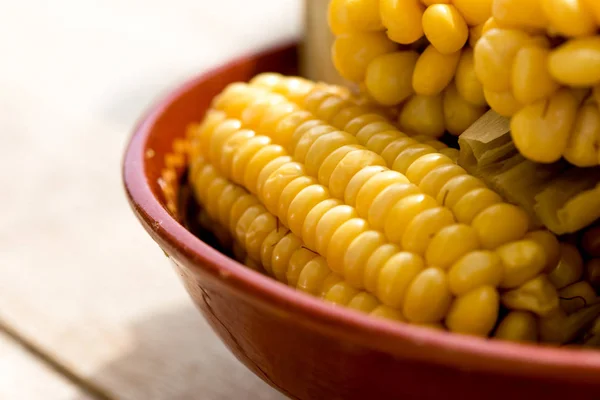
[(24, 377), (79, 278)]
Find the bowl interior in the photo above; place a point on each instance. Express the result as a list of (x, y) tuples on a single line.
[(142, 166)]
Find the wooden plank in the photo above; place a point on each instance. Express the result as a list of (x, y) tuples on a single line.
[(24, 377), (79, 278)]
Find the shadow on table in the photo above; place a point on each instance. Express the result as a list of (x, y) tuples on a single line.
[(176, 356)]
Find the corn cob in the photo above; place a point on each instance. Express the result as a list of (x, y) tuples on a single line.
[(534, 61), (263, 243), (539, 286), (407, 54)]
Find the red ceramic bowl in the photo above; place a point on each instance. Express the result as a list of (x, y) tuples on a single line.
[(304, 347)]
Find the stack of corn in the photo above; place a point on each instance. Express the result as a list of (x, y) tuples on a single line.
[(537, 61), (330, 198)]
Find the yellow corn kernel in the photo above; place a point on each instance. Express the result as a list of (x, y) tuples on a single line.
[(315, 98), (569, 269), (313, 275), (577, 62), (258, 162), (245, 220), (520, 14), (305, 143), (537, 295), (352, 52), (309, 129), (213, 196), (297, 262), (375, 264), (594, 7), (276, 182), (288, 195), (475, 12), (396, 276), (475, 269), (409, 155), (427, 297), (306, 200), (434, 71), (455, 188), (541, 130), (332, 160), (569, 18), (353, 16), (341, 240), (550, 244), (522, 260), (475, 312), (257, 233), (369, 191), (531, 79), (363, 302), (576, 296), (467, 84), (435, 180), (282, 254), (494, 56), (501, 223), (451, 243), (378, 142), (312, 219), (584, 140), (424, 165), (340, 293), (323, 147), (329, 224), (358, 181), (474, 202), (273, 116), (445, 28), (403, 212), (366, 125), (395, 147), (266, 251), (423, 115), (504, 103), (287, 126), (402, 19), (254, 113), (352, 163), (331, 106), (389, 77), (423, 227), (238, 208), (386, 312), (358, 253), (518, 326), (219, 136), (382, 204), (267, 171)]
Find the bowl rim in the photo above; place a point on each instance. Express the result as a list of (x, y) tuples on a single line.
[(400, 339)]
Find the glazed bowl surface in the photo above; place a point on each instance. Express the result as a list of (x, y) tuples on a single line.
[(302, 346)]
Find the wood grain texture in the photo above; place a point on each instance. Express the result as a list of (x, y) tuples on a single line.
[(23, 377), (79, 277)]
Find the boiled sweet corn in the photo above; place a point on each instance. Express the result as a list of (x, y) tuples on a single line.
[(287, 168), (442, 63)]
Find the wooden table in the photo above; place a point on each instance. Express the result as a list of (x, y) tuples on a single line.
[(89, 306)]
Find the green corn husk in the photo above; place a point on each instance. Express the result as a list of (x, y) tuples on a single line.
[(559, 196)]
